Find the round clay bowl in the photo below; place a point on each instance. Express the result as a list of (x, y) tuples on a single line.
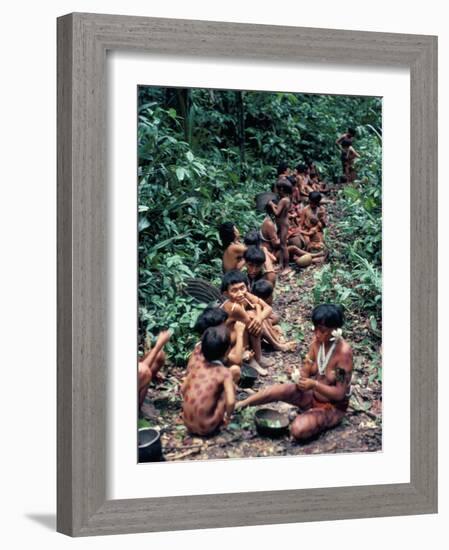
[(150, 448), (271, 423)]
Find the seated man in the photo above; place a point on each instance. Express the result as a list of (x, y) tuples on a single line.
[(321, 389), (150, 364), (258, 266), (243, 306), (232, 247), (208, 390)]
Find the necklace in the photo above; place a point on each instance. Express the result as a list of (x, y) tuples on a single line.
[(323, 357)]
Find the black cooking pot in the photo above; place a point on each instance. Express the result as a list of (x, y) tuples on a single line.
[(150, 448)]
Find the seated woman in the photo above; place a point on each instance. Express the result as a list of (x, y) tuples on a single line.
[(321, 389)]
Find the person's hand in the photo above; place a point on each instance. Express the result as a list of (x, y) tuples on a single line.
[(255, 326), (305, 384), (164, 337)]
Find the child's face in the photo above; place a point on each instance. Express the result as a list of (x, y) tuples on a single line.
[(237, 292), (253, 270)]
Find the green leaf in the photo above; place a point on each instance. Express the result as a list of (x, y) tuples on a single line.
[(143, 224), (189, 156), (180, 173)]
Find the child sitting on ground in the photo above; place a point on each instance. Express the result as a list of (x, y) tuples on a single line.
[(254, 238), (208, 391), (258, 266), (214, 317), (233, 248), (243, 306), (313, 237)]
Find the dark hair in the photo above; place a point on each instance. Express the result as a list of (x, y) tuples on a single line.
[(352, 132), (292, 179), (227, 233), (285, 186), (328, 315), (210, 317), (254, 255), (301, 168), (233, 277), (346, 142), (262, 289), (283, 166), (215, 342), (315, 197), (252, 238)]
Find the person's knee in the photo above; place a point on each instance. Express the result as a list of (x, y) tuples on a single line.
[(303, 429)]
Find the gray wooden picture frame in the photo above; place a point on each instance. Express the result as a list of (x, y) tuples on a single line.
[(83, 40)]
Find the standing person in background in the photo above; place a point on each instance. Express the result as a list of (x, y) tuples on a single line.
[(281, 211)]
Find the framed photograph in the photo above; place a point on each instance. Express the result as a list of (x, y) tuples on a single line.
[(146, 196)]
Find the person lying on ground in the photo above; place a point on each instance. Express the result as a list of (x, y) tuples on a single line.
[(321, 389), (280, 211), (258, 266), (208, 391), (232, 246), (151, 364)]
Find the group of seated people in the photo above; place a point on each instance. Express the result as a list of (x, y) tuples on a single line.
[(234, 332)]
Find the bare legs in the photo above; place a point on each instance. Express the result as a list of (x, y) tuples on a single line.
[(306, 425)]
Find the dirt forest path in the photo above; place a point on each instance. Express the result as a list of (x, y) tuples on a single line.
[(360, 430)]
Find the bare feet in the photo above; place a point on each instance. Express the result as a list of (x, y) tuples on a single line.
[(288, 346), (255, 365)]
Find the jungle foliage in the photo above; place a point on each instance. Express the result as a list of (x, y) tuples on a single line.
[(204, 155)]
